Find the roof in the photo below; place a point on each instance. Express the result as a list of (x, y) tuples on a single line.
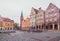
[(36, 11), (6, 19), (52, 6)]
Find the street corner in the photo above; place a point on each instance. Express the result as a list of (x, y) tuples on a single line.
[(55, 39)]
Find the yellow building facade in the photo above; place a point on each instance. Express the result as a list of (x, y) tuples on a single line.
[(6, 24)]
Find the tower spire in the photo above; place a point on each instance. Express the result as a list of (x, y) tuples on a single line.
[(21, 19), (21, 13)]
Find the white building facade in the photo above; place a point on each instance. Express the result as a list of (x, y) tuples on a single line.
[(40, 16), (33, 19)]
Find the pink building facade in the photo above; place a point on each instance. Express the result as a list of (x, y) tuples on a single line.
[(52, 17)]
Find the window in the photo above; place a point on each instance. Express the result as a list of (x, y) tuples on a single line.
[(52, 10), (51, 15), (55, 19), (40, 14), (50, 19), (48, 11), (46, 20), (46, 16), (55, 14)]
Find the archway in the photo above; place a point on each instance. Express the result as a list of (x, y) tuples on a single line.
[(47, 27), (56, 27), (37, 27), (51, 26)]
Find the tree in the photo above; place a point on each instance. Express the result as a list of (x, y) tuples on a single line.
[(16, 27)]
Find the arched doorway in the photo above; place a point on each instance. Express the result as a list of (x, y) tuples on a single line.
[(51, 26), (37, 27), (47, 27), (56, 27)]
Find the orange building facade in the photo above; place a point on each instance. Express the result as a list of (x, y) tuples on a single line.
[(27, 23)]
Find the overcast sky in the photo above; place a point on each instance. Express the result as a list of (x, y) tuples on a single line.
[(12, 8)]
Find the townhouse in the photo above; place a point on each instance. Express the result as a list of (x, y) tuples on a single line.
[(40, 19), (52, 17), (48, 19), (33, 18)]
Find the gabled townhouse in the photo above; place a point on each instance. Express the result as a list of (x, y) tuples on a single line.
[(40, 19), (52, 17), (33, 18)]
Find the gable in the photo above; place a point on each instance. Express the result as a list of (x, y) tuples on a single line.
[(32, 11), (52, 6)]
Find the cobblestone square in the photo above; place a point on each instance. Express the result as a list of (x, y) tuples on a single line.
[(31, 36)]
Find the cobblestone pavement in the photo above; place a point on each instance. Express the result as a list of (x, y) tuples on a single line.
[(31, 36), (55, 39), (19, 36)]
